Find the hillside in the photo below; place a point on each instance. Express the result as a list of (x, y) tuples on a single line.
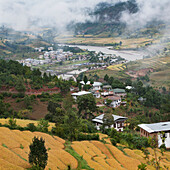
[(98, 155), (109, 15), (13, 156), (107, 22), (157, 68)]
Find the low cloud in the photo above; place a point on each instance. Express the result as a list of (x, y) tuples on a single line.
[(32, 14), (24, 14), (149, 10)]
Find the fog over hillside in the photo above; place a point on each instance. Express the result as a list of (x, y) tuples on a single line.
[(32, 14)]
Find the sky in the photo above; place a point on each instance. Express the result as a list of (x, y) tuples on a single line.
[(26, 14)]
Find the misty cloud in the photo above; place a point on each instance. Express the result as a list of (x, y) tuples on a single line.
[(26, 14), (148, 10), (23, 14)]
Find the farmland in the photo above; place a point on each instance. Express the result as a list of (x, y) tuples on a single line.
[(106, 156), (160, 65), (98, 41), (14, 153), (115, 71), (24, 123)]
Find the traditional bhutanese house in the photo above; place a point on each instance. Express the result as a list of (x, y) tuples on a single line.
[(157, 130), (107, 87), (116, 101), (80, 93), (119, 92), (118, 122)]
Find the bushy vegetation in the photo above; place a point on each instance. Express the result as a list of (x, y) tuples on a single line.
[(133, 141)]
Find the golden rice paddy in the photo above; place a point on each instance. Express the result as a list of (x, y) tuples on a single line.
[(106, 156), (14, 150), (24, 123), (14, 147)]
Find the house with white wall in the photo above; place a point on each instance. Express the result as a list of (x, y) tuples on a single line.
[(118, 122), (115, 101), (155, 130)]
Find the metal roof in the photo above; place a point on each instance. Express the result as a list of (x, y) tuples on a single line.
[(119, 90), (80, 93), (99, 119), (156, 127)]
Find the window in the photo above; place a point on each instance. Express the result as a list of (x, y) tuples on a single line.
[(118, 125), (165, 135)]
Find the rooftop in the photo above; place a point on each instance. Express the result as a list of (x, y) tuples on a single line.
[(80, 93), (119, 90), (107, 86), (99, 119), (114, 98), (156, 127)]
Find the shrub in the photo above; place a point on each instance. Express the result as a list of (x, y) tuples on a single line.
[(6, 94), (43, 100), (14, 96), (82, 136), (12, 122), (32, 127), (113, 141), (163, 147)]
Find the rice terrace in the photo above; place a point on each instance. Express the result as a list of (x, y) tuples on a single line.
[(14, 153)]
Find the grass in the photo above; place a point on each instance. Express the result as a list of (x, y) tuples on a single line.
[(82, 164)]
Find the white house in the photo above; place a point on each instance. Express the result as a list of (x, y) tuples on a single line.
[(118, 122), (116, 101), (97, 86), (154, 130), (80, 93)]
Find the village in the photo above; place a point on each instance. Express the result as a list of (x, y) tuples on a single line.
[(67, 64), (103, 92), (114, 98)]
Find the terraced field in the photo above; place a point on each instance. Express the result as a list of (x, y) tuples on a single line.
[(106, 156), (117, 67), (14, 149), (24, 123), (160, 76)]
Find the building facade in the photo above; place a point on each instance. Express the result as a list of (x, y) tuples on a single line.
[(118, 122), (159, 130)]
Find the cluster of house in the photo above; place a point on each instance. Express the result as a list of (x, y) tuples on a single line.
[(106, 91), (159, 130), (47, 57)]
